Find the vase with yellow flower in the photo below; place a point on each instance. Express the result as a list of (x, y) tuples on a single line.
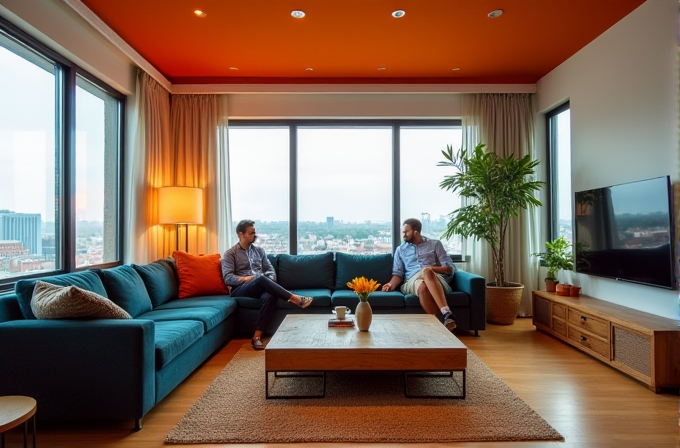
[(363, 288)]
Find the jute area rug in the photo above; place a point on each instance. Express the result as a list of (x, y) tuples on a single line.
[(358, 407)]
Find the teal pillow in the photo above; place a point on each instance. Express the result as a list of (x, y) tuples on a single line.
[(374, 267), (87, 280), (306, 271), (160, 281), (126, 289)]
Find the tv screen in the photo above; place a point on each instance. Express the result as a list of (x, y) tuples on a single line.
[(624, 232)]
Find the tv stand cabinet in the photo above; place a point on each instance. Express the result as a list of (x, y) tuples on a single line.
[(642, 345)]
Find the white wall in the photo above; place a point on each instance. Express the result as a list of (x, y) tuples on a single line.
[(623, 94), (59, 27), (344, 105)]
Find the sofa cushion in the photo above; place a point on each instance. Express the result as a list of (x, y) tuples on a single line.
[(224, 303), (160, 281), (87, 280), (274, 260), (70, 302), (172, 338), (374, 267), (126, 289), (199, 275), (209, 316), (378, 299), (455, 298), (306, 271)]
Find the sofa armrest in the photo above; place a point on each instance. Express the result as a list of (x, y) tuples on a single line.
[(475, 286), (80, 369)]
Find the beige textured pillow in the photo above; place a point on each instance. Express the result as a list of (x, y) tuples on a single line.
[(71, 302)]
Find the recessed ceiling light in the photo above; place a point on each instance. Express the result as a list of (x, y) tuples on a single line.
[(297, 14), (233, 68), (455, 69), (200, 13), (382, 68), (309, 69), (398, 14), (495, 13)]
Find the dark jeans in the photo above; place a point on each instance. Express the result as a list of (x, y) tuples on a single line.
[(266, 289)]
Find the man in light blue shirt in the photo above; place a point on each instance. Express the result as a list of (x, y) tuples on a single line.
[(422, 263)]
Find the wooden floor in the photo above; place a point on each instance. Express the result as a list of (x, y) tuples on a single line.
[(589, 403)]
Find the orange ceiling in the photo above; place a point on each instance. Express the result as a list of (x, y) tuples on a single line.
[(348, 41)]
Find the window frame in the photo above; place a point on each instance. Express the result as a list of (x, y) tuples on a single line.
[(551, 157), (65, 103), (395, 124)]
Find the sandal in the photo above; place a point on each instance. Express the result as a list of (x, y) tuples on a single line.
[(304, 301)]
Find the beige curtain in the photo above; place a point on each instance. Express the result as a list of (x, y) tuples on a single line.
[(194, 124), (152, 167), (505, 123)]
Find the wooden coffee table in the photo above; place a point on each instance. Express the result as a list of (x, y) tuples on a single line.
[(15, 410), (410, 343)]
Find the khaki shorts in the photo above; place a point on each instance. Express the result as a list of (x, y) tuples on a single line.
[(412, 284)]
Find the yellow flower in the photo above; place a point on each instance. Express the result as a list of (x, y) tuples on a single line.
[(363, 287)]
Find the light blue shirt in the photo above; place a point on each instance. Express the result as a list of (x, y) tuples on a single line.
[(409, 258)]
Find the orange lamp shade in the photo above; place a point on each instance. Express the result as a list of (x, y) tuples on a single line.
[(180, 205)]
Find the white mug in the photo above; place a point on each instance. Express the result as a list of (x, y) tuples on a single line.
[(340, 311)]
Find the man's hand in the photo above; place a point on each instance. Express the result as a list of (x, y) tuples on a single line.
[(387, 287), (247, 279)]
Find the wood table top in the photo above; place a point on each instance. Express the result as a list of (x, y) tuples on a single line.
[(393, 342), (14, 410)]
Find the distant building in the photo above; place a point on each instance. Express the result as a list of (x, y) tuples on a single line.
[(24, 227)]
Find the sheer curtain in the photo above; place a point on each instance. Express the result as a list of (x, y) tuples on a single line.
[(505, 123), (225, 231), (193, 120), (152, 166)]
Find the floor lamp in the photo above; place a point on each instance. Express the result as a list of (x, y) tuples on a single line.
[(180, 206)]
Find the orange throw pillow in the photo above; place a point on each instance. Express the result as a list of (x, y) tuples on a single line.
[(199, 275)]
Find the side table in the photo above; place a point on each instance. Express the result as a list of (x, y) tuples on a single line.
[(15, 410)]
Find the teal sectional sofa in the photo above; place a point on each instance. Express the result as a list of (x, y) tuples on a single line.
[(80, 369)]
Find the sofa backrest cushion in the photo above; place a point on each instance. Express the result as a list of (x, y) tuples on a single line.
[(274, 260), (199, 275), (306, 271), (87, 280), (374, 267), (70, 302), (126, 289), (160, 281)]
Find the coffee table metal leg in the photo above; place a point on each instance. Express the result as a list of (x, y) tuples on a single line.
[(434, 374), (34, 432), (278, 374)]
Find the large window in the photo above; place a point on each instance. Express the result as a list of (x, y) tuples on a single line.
[(344, 189), (421, 196), (259, 181), (330, 186), (50, 176), (559, 147)]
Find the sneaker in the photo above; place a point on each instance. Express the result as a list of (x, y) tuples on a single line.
[(304, 301), (450, 321), (257, 344)]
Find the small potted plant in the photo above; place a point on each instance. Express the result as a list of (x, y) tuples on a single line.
[(556, 256)]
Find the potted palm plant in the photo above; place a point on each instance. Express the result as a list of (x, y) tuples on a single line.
[(556, 256), (494, 190)]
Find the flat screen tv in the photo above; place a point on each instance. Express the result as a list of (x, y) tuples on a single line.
[(625, 232)]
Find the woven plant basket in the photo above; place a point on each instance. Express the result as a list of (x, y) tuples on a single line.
[(502, 304)]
